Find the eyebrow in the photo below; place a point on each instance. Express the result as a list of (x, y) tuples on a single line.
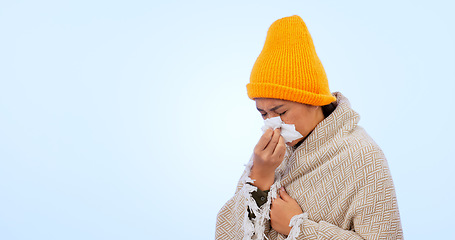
[(272, 109)]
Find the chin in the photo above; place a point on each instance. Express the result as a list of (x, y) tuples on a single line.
[(293, 143)]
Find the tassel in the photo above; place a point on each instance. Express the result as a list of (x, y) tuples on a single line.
[(295, 223)]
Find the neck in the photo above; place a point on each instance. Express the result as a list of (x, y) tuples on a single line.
[(319, 117)]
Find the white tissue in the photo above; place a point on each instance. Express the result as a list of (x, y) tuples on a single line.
[(287, 130)]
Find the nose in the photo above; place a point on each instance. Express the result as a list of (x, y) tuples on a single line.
[(271, 115)]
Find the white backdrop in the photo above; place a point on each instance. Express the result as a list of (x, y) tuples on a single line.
[(130, 119)]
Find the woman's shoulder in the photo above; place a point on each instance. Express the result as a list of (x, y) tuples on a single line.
[(362, 147)]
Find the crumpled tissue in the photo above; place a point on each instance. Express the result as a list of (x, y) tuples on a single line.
[(287, 130)]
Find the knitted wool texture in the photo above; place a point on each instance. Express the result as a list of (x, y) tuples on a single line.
[(288, 67), (339, 177)]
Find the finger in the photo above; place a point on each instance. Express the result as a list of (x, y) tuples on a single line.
[(274, 141), (264, 140), (276, 202), (284, 195), (280, 148)]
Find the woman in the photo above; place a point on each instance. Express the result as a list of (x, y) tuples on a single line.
[(332, 182)]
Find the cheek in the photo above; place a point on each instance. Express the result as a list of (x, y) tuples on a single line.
[(300, 125), (290, 119)]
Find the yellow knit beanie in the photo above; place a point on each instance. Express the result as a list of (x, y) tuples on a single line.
[(288, 67)]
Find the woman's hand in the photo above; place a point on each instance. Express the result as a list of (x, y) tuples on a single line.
[(268, 155), (282, 210)]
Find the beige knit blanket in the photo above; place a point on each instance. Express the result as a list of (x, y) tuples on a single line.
[(341, 180)]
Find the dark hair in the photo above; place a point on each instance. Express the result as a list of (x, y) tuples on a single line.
[(329, 108)]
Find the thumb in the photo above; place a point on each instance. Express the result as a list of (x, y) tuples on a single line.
[(284, 195)]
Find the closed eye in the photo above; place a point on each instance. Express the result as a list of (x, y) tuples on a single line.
[(282, 113)]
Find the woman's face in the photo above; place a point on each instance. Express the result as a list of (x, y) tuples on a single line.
[(304, 117)]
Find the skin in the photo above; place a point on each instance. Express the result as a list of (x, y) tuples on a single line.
[(270, 149)]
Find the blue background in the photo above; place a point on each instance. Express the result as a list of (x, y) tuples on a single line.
[(130, 119)]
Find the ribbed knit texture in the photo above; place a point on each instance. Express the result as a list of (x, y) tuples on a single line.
[(288, 67)]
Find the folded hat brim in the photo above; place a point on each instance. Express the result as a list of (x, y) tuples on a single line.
[(270, 90)]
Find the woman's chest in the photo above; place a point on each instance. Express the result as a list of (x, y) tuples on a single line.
[(325, 192)]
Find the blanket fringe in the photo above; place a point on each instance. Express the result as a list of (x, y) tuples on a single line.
[(255, 228), (295, 223)]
